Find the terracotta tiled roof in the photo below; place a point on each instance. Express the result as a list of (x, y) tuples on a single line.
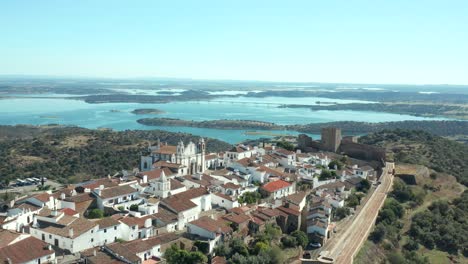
[(123, 251), (296, 198), (165, 215), (271, 171), (142, 245), (139, 221), (33, 247), (237, 218), (211, 225), (289, 211), (284, 151), (178, 205), (166, 149), (176, 184), (100, 257), (79, 198), (29, 206), (231, 185), (98, 182), (79, 225), (206, 180), (117, 191), (155, 174), (43, 197), (222, 195), (275, 185), (107, 222), (166, 164), (69, 211), (7, 236)]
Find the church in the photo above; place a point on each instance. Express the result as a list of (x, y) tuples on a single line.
[(181, 159)]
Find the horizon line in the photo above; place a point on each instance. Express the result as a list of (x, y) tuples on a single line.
[(145, 78)]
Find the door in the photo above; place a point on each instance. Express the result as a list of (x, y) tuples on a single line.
[(56, 242)]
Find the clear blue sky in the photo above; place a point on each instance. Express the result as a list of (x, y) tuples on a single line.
[(397, 41)]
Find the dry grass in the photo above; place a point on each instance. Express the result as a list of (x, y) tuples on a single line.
[(27, 160), (75, 141)]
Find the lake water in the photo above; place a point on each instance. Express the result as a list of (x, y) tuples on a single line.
[(38, 111)]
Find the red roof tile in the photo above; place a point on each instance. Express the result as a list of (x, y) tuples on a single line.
[(275, 186), (24, 251)]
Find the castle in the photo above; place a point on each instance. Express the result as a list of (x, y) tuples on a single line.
[(181, 159)]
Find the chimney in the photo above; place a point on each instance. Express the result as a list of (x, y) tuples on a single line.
[(101, 187), (8, 261), (62, 196), (94, 252), (70, 232), (54, 212), (145, 178), (97, 191)]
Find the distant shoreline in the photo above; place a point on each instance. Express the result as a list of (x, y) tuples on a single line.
[(441, 128)]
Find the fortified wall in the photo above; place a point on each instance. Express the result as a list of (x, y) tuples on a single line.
[(348, 147)]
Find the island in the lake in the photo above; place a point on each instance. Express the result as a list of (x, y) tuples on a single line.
[(147, 111)]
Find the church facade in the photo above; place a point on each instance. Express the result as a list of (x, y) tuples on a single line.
[(181, 159)]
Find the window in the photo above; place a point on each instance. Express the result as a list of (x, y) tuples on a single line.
[(92, 239), (92, 231), (133, 227), (105, 230), (115, 227), (50, 236)]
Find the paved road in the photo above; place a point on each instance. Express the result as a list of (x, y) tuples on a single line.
[(351, 241)]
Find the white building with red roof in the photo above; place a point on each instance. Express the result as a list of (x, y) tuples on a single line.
[(279, 189)]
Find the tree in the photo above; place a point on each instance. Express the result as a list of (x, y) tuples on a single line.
[(335, 163), (134, 207), (301, 237), (364, 186), (289, 241), (175, 255), (325, 175), (96, 213), (238, 246), (260, 247), (285, 145), (342, 212), (378, 234), (352, 201)]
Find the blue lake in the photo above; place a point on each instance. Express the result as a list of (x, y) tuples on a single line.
[(38, 111)]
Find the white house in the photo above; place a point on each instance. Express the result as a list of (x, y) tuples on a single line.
[(188, 205), (279, 189), (223, 200), (20, 248), (67, 232), (317, 226), (109, 230), (214, 231), (122, 195)]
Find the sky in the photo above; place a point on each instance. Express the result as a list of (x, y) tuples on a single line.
[(366, 41)]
